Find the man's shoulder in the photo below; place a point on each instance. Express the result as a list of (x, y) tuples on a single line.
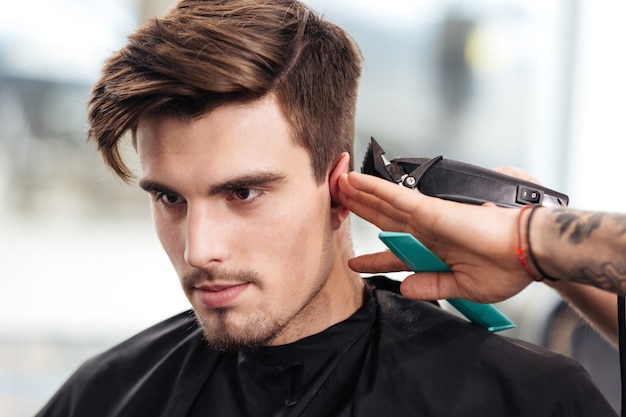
[(403, 320), (417, 327), (439, 354), (146, 365), (140, 352)]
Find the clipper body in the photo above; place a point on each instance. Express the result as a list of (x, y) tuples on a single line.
[(458, 181)]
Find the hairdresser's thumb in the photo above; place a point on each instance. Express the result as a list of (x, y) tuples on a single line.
[(379, 262), (429, 286)]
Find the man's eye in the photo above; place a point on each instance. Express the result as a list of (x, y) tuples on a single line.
[(168, 199), (245, 194)]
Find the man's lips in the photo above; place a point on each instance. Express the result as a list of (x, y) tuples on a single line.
[(219, 296)]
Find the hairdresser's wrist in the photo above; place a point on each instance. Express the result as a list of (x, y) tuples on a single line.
[(542, 239)]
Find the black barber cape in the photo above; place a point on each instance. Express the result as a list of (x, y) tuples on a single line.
[(393, 357)]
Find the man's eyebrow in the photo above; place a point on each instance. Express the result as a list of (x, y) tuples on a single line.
[(151, 186), (256, 179)]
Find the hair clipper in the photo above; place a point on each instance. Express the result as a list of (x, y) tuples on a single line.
[(458, 181)]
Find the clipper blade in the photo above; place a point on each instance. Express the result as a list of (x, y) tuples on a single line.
[(367, 167), (374, 163)]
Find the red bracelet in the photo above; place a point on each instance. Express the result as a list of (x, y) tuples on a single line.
[(521, 255)]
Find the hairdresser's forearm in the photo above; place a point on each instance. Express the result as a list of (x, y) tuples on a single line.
[(584, 247)]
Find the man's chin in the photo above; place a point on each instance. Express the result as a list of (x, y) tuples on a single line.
[(229, 345), (222, 335)]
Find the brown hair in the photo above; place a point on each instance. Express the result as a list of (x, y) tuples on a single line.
[(203, 54)]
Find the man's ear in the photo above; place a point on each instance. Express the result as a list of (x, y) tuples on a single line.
[(342, 166)]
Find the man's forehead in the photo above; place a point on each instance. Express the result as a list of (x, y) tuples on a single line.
[(230, 141)]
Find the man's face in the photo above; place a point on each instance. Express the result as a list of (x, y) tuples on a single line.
[(243, 221)]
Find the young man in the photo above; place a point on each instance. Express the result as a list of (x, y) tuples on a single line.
[(242, 114)]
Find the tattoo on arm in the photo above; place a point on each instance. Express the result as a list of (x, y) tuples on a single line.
[(609, 277), (579, 225), (606, 248), (620, 222)]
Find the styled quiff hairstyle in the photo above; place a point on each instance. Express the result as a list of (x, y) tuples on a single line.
[(204, 54)]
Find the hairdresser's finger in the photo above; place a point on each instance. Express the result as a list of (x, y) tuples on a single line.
[(413, 211), (400, 198), (370, 208), (430, 286), (378, 262), (373, 215)]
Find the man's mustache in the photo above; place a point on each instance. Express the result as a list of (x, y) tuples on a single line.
[(201, 276)]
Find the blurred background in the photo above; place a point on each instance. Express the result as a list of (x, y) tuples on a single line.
[(533, 84)]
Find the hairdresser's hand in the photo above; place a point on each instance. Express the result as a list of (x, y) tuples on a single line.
[(478, 243)]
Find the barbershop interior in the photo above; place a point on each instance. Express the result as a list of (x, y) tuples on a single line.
[(537, 85)]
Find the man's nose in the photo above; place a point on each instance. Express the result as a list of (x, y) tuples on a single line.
[(206, 243)]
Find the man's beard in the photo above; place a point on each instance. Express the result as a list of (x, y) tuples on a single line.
[(220, 329), (254, 334)]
